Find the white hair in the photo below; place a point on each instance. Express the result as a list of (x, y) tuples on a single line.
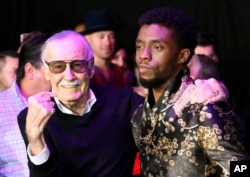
[(64, 34)]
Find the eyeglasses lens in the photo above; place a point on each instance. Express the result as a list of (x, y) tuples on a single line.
[(78, 66)]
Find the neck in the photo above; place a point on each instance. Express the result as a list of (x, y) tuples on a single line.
[(26, 89), (158, 91), (103, 64), (77, 106)]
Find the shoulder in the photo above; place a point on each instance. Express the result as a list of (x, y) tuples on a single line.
[(218, 112), (218, 107)]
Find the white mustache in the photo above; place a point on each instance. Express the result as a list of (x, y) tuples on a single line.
[(73, 83)]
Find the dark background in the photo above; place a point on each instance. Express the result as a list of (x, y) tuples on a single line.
[(228, 20)]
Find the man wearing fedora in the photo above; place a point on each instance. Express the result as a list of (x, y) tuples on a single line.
[(100, 31)]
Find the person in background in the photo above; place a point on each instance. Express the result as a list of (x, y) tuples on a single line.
[(175, 136), (25, 36), (100, 31), (78, 129), (30, 80), (80, 27), (119, 56), (8, 66), (120, 59), (203, 67), (207, 45)]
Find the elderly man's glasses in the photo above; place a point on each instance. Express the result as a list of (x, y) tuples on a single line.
[(78, 66)]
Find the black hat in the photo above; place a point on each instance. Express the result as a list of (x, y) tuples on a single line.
[(98, 21)]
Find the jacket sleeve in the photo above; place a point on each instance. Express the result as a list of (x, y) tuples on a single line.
[(218, 135)]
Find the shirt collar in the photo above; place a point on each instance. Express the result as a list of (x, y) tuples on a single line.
[(90, 102)]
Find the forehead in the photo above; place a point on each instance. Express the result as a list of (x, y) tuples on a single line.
[(67, 49), (106, 32), (121, 51), (208, 49), (154, 32), (12, 61)]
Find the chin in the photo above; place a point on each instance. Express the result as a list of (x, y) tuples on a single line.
[(71, 95)]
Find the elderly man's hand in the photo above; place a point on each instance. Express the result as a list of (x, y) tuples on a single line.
[(40, 108), (207, 91)]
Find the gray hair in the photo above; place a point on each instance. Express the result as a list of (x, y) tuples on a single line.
[(64, 34)]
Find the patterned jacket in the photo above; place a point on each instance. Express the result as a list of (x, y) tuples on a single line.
[(176, 138)]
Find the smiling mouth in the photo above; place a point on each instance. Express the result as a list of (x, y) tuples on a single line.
[(69, 86), (72, 84)]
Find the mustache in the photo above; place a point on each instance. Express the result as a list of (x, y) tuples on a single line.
[(73, 83)]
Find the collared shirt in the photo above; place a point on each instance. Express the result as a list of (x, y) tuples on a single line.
[(13, 156), (117, 78), (44, 155), (90, 102)]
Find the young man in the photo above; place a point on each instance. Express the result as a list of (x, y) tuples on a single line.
[(174, 136), (78, 129), (8, 66), (100, 32), (207, 45)]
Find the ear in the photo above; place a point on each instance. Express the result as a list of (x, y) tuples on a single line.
[(91, 70), (183, 55), (29, 70), (88, 37), (46, 71)]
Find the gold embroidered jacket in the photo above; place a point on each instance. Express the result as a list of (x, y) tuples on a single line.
[(176, 138)]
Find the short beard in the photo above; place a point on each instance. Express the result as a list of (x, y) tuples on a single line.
[(152, 83)]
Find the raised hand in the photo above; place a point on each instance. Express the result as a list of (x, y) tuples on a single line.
[(214, 90), (40, 108)]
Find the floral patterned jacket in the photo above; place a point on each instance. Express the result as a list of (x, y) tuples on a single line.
[(176, 138)]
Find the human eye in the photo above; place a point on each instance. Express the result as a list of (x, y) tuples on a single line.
[(138, 46), (157, 47), (58, 65), (111, 36), (100, 36), (79, 65)]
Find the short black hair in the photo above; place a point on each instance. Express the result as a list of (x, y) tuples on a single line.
[(183, 27), (31, 53), (7, 53), (10, 53), (205, 39)]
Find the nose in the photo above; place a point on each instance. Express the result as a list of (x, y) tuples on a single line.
[(144, 54), (107, 40), (69, 73)]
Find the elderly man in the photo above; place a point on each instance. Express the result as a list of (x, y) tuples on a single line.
[(78, 130)]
